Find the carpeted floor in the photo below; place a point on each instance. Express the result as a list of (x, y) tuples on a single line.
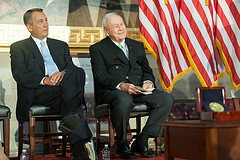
[(69, 157)]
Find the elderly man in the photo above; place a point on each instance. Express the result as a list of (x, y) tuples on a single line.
[(46, 75), (119, 65)]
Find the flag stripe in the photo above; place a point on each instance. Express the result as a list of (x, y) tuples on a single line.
[(156, 45), (200, 52), (231, 31), (228, 38), (159, 26), (149, 40), (205, 16), (235, 11), (192, 34), (167, 60), (171, 31)]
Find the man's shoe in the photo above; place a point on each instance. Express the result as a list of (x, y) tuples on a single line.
[(70, 122), (125, 152), (145, 153)]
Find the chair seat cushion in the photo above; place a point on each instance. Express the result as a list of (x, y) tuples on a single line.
[(103, 109), (40, 110), (140, 107), (4, 111)]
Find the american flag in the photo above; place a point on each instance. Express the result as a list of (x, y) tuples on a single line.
[(228, 37), (159, 27), (197, 26), (185, 34)]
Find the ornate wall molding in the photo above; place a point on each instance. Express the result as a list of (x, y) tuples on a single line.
[(78, 38)]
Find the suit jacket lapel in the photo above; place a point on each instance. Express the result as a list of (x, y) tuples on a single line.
[(119, 52), (36, 53), (122, 56), (132, 58)]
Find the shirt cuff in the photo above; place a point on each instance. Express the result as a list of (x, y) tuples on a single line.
[(41, 83), (148, 81), (118, 86)]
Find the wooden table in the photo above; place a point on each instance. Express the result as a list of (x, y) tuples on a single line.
[(201, 140)]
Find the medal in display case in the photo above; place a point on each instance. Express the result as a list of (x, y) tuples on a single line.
[(211, 103)]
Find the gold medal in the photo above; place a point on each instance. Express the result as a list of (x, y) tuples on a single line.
[(216, 107)]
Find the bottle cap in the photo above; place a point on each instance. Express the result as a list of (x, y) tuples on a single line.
[(106, 145), (24, 150)]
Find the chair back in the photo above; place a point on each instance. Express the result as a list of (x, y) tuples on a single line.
[(4, 112)]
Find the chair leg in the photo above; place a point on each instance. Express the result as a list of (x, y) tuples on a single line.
[(158, 146), (32, 137), (20, 140), (98, 135), (138, 125), (64, 146), (6, 127), (111, 137)]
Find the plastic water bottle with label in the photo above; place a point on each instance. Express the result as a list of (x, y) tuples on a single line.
[(24, 155), (106, 152)]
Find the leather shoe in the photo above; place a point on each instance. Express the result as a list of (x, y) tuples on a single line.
[(70, 122), (125, 152), (145, 153)]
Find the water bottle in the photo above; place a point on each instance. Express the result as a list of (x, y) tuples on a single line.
[(106, 152), (24, 155)]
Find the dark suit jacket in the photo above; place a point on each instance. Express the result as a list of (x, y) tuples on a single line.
[(28, 70), (111, 67)]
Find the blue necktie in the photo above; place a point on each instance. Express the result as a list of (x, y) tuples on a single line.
[(51, 66)]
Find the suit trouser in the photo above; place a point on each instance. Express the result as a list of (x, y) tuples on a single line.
[(52, 96), (159, 102)]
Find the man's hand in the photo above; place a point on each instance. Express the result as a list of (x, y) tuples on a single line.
[(129, 88), (147, 85), (55, 79)]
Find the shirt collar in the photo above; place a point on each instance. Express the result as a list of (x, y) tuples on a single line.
[(122, 43), (38, 40)]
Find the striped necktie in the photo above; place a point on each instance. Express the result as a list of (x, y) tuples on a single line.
[(121, 47), (50, 64)]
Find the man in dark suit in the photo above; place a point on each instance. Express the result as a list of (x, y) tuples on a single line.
[(46, 75), (117, 71)]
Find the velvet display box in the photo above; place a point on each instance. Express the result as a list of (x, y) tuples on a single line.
[(208, 95)]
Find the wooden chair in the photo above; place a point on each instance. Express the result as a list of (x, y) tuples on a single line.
[(5, 115), (45, 114), (103, 114)]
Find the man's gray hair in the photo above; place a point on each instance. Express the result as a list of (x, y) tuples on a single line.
[(27, 17), (108, 15)]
